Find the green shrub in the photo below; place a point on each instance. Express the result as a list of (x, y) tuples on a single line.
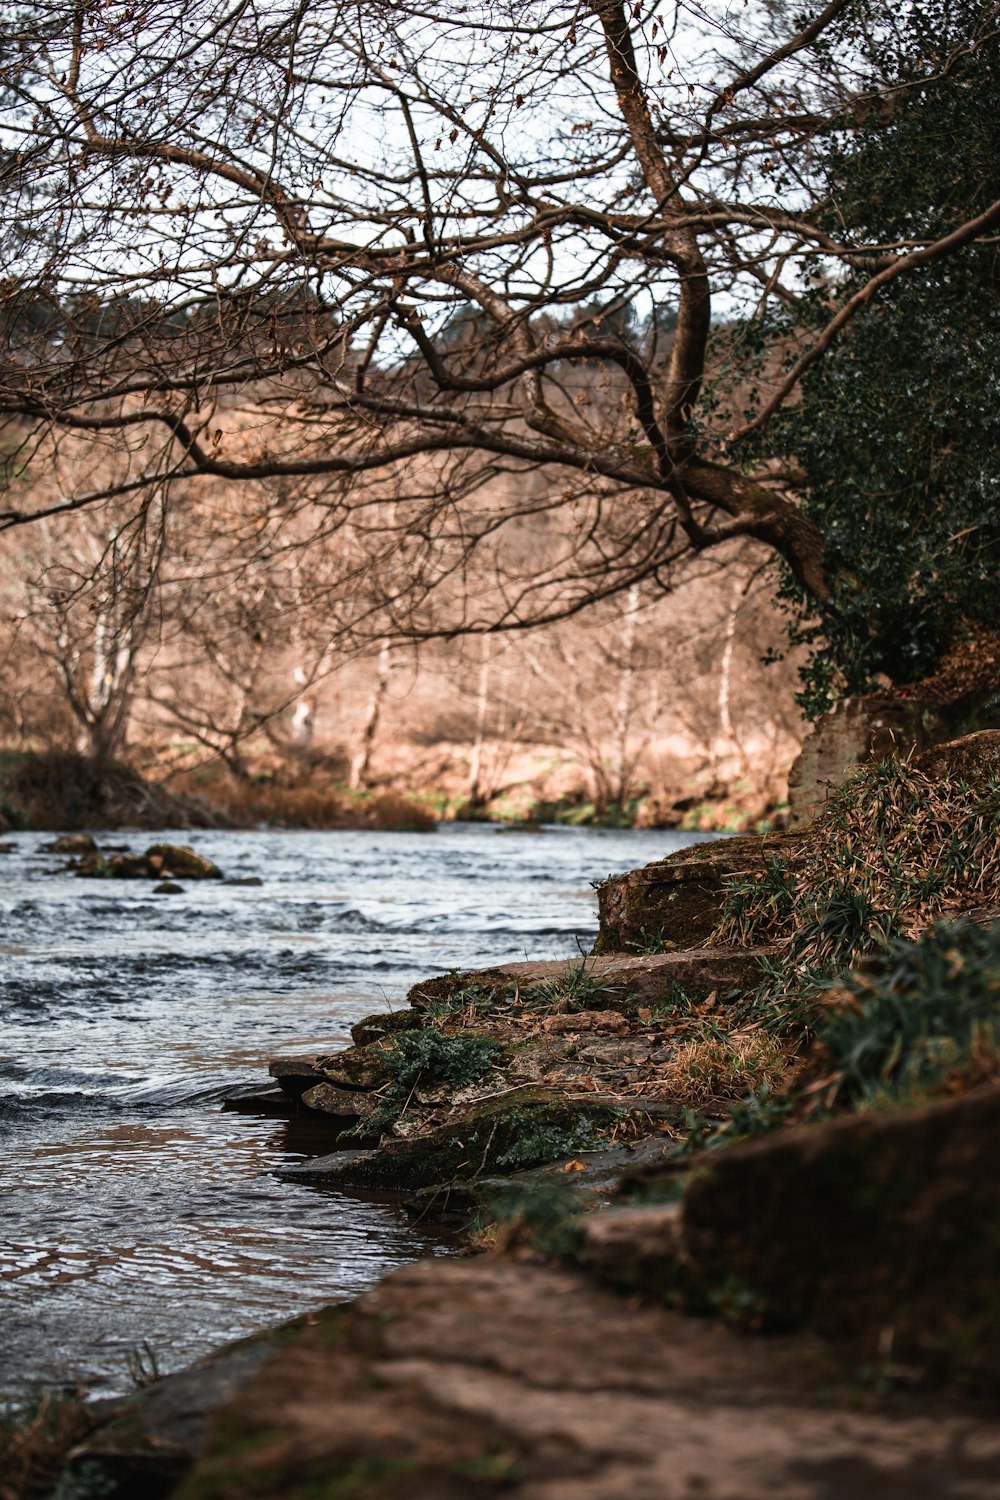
[(434, 1057), (924, 1013), (430, 1058), (921, 1018), (541, 1141)]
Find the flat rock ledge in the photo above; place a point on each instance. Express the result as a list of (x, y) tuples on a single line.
[(627, 981), (878, 1231), (455, 1379), (572, 1055)]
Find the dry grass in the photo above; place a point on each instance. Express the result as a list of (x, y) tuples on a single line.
[(717, 1070), (894, 851), (309, 806), (34, 1445), (248, 802), (391, 810)]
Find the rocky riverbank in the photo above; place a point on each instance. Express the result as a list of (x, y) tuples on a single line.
[(784, 1121)]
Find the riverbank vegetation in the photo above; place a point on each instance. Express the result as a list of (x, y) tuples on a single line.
[(666, 1043), (34, 1444)]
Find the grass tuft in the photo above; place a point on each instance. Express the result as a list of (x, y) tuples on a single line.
[(923, 1019), (34, 1444), (893, 851)]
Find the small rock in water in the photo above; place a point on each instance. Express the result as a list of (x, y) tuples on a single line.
[(243, 880), (7, 848), (168, 888), (118, 867), (178, 859), (160, 862), (72, 843)]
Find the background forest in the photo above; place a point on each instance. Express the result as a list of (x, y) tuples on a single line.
[(468, 401)]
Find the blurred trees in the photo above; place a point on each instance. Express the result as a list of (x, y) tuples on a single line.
[(86, 612)]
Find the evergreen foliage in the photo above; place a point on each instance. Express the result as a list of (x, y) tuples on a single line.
[(898, 429), (926, 1014)]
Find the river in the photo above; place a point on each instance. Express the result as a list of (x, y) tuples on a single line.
[(139, 1224)]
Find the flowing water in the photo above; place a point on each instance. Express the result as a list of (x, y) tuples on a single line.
[(139, 1224)]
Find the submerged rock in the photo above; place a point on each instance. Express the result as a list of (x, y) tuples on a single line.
[(114, 867), (168, 888)]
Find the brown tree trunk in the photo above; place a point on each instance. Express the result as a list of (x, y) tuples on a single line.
[(361, 764)]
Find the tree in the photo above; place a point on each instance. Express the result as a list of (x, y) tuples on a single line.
[(243, 648), (86, 614), (405, 260), (908, 508)]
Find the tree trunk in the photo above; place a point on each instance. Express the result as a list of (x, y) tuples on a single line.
[(482, 712), (361, 764), (621, 768), (726, 739)]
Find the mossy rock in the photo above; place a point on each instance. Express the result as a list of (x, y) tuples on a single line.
[(327, 1099), (179, 859), (356, 1067), (677, 902), (875, 1222), (487, 984), (384, 1023), (619, 982), (523, 1127), (72, 843), (975, 758)]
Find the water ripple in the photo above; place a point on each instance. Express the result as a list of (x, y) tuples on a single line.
[(135, 1212)]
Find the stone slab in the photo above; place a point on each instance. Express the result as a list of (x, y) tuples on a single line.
[(631, 979), (452, 1379)]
